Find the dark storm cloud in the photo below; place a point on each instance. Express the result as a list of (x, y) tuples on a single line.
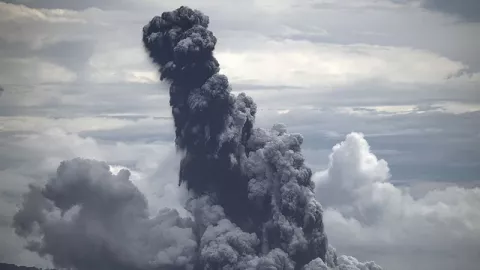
[(468, 10)]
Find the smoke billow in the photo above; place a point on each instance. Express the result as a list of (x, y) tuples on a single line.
[(88, 218), (252, 205)]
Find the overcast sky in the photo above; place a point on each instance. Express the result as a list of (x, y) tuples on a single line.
[(404, 74)]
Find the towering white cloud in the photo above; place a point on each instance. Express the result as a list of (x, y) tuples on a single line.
[(363, 209)]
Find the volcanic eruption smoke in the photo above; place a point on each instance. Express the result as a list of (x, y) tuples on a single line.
[(252, 204)]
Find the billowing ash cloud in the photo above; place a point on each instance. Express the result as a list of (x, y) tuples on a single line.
[(88, 218), (252, 205), (257, 176)]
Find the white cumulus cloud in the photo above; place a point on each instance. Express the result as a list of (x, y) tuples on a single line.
[(363, 209)]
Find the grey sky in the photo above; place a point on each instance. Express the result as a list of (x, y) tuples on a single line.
[(406, 74)]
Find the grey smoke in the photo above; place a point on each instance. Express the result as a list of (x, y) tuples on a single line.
[(86, 217), (252, 204), (257, 176)]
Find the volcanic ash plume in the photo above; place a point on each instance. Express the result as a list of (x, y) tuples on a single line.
[(252, 204), (257, 176)]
